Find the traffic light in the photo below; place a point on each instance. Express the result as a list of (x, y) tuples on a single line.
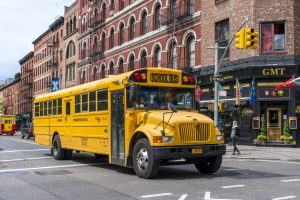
[(240, 39), (251, 38)]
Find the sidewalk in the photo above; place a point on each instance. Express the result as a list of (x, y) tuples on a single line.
[(255, 152)]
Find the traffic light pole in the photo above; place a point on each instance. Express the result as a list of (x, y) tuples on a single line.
[(216, 72)]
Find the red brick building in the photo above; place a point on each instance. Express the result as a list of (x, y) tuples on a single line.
[(26, 90), (10, 98), (121, 35)]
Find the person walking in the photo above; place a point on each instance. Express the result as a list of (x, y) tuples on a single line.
[(234, 137)]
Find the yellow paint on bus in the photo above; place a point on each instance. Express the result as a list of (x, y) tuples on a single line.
[(140, 119)]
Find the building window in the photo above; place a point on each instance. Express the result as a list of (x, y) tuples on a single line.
[(157, 17), (112, 38), (103, 42), (131, 62), (67, 28), (173, 9), (71, 26), (74, 23), (132, 1), (144, 59), (121, 34), (95, 73), (112, 5), (103, 11), (157, 56), (95, 46), (121, 66), (144, 23), (172, 55), (70, 50), (132, 29), (83, 77), (102, 71), (190, 53), (222, 36), (84, 50), (273, 37), (121, 4), (191, 7), (111, 68)]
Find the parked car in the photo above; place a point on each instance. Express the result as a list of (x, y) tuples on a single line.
[(27, 131)]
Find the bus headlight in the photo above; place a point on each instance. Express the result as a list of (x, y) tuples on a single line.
[(162, 139), (219, 137)]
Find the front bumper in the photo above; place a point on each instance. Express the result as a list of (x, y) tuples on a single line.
[(185, 152)]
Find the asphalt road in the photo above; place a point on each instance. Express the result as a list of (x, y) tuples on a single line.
[(27, 171)]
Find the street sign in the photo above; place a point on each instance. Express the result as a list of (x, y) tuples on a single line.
[(218, 78), (55, 84)]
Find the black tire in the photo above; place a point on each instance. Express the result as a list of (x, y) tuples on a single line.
[(22, 135), (209, 165), (144, 164), (58, 152), (68, 154)]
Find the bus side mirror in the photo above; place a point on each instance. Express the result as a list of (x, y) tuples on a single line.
[(132, 91), (172, 108)]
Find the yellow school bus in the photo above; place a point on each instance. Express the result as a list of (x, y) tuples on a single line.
[(141, 119), (7, 124)]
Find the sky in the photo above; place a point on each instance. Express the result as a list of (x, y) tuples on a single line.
[(21, 22)]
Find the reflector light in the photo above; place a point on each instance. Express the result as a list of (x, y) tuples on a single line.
[(185, 79), (191, 79), (144, 76), (137, 76)]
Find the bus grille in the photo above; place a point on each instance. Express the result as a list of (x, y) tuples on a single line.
[(191, 133)]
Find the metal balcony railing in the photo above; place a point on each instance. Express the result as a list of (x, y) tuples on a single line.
[(178, 12)]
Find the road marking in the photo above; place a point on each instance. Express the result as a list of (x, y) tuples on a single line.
[(207, 197), (281, 198), (19, 140), (49, 167), (156, 195), (183, 197), (233, 186), (290, 180), (271, 161), (25, 159), (24, 150)]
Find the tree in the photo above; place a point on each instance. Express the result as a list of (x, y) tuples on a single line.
[(286, 129), (263, 129), (17, 75)]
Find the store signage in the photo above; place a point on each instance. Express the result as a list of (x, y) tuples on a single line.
[(270, 93), (280, 71)]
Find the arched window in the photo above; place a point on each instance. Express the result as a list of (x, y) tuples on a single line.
[(190, 51), (74, 23), (157, 56), (102, 71), (71, 26), (132, 29), (84, 50), (112, 5), (172, 55), (67, 28), (144, 23), (84, 23), (103, 42), (121, 39), (103, 11), (157, 17), (95, 16), (144, 59), (173, 9), (121, 4), (83, 77), (111, 68), (121, 66), (95, 73), (131, 62), (70, 50), (95, 45), (112, 38)]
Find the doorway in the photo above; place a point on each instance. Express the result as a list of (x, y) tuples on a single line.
[(117, 127), (274, 124)]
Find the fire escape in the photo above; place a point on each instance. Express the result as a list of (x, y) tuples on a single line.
[(174, 17)]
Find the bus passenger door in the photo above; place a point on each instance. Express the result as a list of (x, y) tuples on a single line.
[(117, 128), (68, 125)]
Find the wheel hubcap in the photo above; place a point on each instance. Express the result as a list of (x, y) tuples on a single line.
[(142, 159)]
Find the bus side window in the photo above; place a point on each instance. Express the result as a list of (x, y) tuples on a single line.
[(59, 108), (45, 108), (54, 106), (92, 100), (49, 107), (36, 109), (41, 109), (68, 108), (77, 103), (102, 102)]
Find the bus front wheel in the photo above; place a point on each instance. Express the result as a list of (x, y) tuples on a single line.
[(144, 164), (58, 152), (209, 165)]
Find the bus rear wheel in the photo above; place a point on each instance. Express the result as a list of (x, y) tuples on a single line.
[(144, 164), (209, 165), (58, 152)]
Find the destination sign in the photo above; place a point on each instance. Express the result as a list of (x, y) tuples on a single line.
[(164, 78)]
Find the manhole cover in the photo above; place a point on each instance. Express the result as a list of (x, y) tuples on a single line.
[(53, 172)]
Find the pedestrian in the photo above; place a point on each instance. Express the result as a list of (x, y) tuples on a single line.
[(234, 137)]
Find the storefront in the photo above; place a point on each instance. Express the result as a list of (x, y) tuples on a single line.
[(271, 108)]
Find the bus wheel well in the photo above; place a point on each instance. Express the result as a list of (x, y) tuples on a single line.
[(134, 139), (54, 134)]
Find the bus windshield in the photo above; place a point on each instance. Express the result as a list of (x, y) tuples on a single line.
[(159, 97)]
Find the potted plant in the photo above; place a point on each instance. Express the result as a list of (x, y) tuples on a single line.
[(286, 138), (262, 139)]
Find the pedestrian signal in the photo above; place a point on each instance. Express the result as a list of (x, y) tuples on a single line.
[(251, 38), (240, 39)]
